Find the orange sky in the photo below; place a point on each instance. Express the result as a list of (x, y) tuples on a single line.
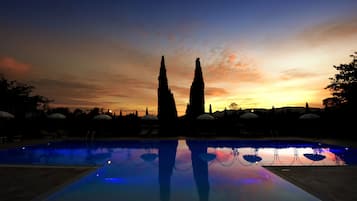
[(255, 58)]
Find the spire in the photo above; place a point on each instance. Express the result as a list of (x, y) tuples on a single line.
[(146, 111)]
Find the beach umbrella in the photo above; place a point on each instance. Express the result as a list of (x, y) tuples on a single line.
[(309, 116), (249, 115), (102, 117), (149, 117), (205, 117), (6, 115), (56, 116)]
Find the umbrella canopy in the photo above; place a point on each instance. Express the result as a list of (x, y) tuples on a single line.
[(6, 115), (56, 116), (205, 117), (249, 115), (149, 117), (102, 117), (309, 116)]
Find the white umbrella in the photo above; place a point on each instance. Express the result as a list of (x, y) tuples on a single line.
[(149, 117), (309, 116), (56, 116), (205, 117), (102, 117), (6, 115), (249, 115)]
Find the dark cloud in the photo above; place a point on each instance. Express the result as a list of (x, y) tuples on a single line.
[(12, 67), (331, 31)]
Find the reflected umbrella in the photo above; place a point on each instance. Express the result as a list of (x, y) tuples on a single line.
[(207, 157), (315, 157), (149, 157), (227, 163), (252, 158)]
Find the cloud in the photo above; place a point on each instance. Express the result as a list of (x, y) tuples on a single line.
[(107, 90), (331, 31), (180, 91), (295, 73), (214, 91), (232, 58), (228, 67), (13, 67)]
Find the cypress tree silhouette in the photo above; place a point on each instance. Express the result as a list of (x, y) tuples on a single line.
[(166, 102), (197, 93)]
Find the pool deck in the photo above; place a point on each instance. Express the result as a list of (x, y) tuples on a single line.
[(35, 182)]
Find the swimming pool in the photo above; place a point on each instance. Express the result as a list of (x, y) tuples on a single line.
[(179, 169)]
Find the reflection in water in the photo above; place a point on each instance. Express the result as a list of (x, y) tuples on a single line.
[(200, 168), (129, 169), (167, 155)]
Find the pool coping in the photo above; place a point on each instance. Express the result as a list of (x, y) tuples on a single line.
[(61, 186)]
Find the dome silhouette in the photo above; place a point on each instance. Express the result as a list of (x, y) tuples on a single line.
[(56, 116), (205, 117), (309, 116), (102, 117), (6, 115)]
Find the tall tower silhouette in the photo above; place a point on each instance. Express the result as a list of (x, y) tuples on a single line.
[(166, 102), (197, 93)]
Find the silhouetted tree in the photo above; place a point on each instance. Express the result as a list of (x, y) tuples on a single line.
[(233, 106), (307, 108), (166, 107), (344, 84), (16, 98), (197, 93), (78, 112), (95, 111)]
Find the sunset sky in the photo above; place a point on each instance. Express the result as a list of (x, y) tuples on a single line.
[(85, 54)]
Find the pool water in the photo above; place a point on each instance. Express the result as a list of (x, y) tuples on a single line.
[(179, 169)]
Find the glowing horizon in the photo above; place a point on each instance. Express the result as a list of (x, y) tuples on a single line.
[(87, 54)]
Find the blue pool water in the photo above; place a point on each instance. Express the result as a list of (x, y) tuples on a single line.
[(180, 170)]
